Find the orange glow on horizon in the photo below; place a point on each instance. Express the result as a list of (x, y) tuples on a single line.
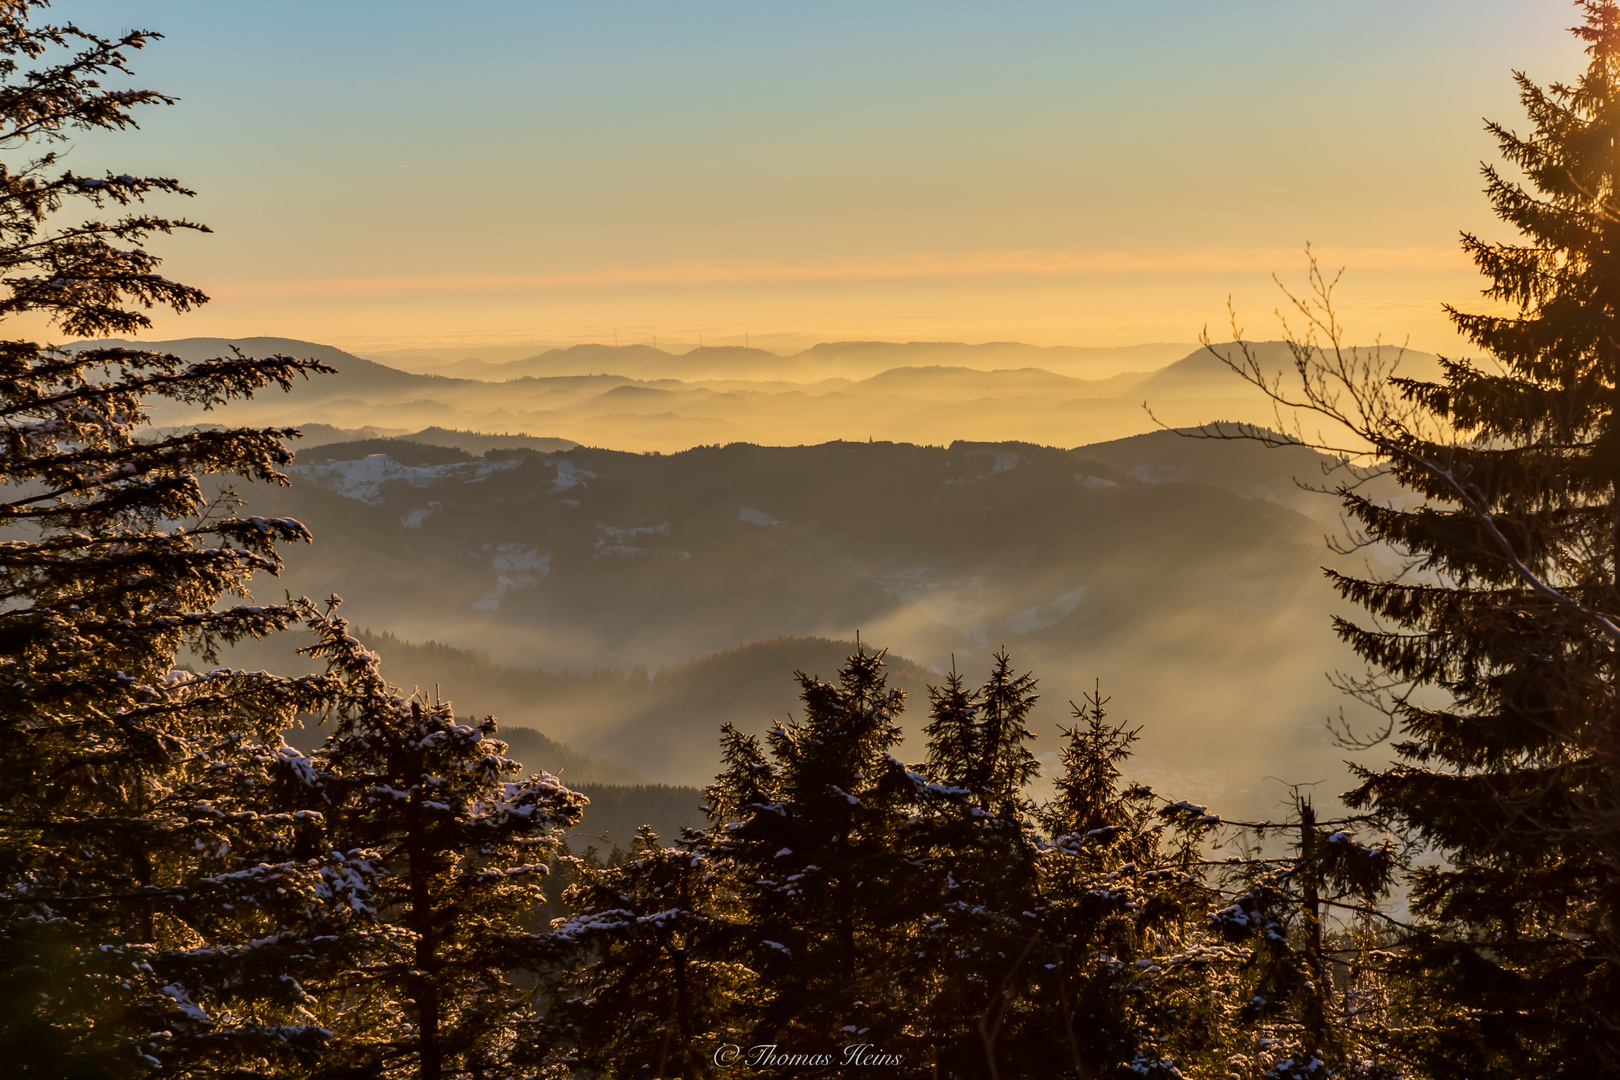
[(933, 265)]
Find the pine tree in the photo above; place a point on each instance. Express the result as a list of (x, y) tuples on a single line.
[(1121, 983), (154, 898), (817, 847), (1495, 655), (952, 732), (462, 848), (652, 988), (979, 847), (1005, 764)]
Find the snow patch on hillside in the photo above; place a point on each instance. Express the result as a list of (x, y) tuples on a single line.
[(1051, 613), (414, 519), (759, 517), (1004, 461), (516, 567), (569, 475), (956, 603), (363, 479), (618, 542)]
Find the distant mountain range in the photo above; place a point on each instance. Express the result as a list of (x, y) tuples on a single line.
[(471, 442), (829, 360), (946, 500), (640, 399)]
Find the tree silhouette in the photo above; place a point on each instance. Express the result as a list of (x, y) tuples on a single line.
[(156, 903), (1494, 653), (815, 831), (462, 846)]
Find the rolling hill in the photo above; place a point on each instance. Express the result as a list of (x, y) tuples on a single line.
[(1179, 572)]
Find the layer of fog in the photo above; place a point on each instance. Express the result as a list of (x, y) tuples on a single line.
[(1180, 574), (641, 399)]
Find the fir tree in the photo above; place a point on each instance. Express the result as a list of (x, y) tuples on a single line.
[(1518, 781), (1509, 769), (463, 849), (978, 845), (952, 732), (1120, 983), (818, 852), (652, 988), (1005, 765), (156, 908)]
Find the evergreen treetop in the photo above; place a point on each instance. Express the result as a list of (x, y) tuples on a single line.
[(819, 857), (1493, 654), (655, 985), (463, 846), (1517, 779), (156, 911)]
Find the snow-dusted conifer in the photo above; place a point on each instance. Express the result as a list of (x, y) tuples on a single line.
[(1120, 984), (463, 845), (652, 988), (980, 855), (151, 903), (815, 833)]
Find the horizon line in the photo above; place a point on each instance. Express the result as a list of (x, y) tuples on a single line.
[(1015, 263)]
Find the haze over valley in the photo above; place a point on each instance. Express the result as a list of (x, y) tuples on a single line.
[(636, 398), (623, 548)]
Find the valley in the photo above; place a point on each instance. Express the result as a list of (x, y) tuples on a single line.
[(626, 603)]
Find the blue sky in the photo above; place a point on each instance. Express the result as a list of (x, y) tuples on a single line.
[(399, 173)]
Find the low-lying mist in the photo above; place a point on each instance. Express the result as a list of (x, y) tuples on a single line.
[(628, 602), (640, 399)]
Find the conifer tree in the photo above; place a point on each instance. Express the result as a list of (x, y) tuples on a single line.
[(154, 901), (462, 848), (652, 988), (1510, 771), (816, 850), (952, 731), (980, 849), (1005, 763), (1121, 978)]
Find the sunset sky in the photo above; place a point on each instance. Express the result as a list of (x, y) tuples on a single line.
[(390, 175)]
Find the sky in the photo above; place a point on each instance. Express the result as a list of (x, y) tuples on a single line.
[(454, 176)]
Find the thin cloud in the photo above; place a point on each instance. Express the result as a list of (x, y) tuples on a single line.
[(988, 264)]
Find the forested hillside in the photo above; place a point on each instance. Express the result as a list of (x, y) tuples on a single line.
[(665, 720), (1096, 562)]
